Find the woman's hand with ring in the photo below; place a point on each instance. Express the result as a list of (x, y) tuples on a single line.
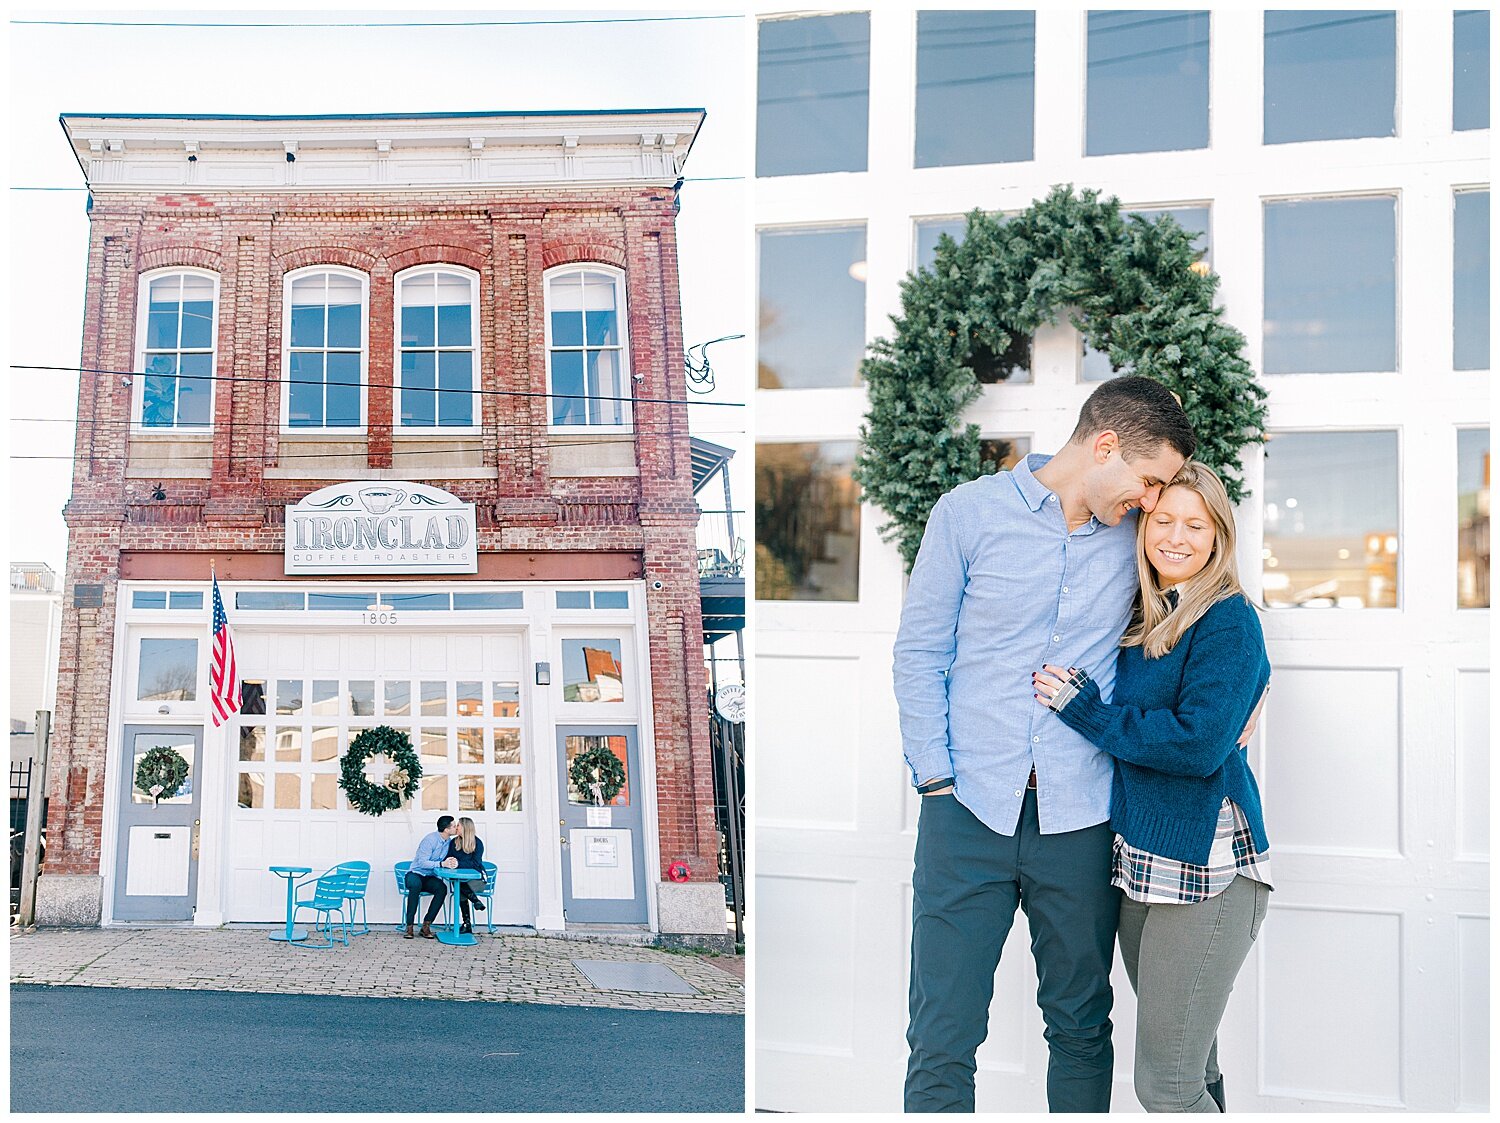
[(1049, 682)]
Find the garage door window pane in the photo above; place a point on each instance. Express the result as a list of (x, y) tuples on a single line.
[(507, 746), (471, 793), (1330, 75), (508, 793), (288, 791), (1471, 280), (1330, 286), (806, 522), (507, 701), (1471, 70), (325, 743), (288, 743), (397, 698), (1332, 521), (288, 696), (1195, 220), (470, 746), (593, 670), (253, 742), (813, 95), (168, 670), (1474, 518), (434, 793), (1147, 81), (434, 745), (976, 78), (812, 307), (252, 790), (325, 795)]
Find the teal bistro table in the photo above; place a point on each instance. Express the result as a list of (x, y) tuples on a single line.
[(456, 878), (291, 873)]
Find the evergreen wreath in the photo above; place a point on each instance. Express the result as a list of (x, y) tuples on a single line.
[(1137, 292), (369, 797), (597, 765), (161, 773)]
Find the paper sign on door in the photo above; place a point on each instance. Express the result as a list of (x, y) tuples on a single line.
[(601, 850)]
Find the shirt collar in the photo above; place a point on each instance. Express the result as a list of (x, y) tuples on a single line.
[(1032, 489)]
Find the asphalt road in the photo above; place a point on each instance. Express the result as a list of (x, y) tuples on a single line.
[(97, 1049)]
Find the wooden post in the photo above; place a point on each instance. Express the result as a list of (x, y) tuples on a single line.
[(36, 798)]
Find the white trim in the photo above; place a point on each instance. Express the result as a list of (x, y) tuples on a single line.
[(622, 319), (287, 280), (399, 428), (138, 380)]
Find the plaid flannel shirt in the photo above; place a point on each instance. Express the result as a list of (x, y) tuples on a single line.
[(1152, 879)]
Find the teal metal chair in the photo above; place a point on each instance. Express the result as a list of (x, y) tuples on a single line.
[(329, 893), (354, 894), (486, 891), (400, 871)]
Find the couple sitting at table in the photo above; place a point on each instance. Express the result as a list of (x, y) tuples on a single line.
[(453, 845)]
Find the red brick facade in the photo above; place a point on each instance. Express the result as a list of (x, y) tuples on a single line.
[(509, 236)]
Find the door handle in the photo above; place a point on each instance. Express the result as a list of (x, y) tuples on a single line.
[(196, 823), (563, 840)]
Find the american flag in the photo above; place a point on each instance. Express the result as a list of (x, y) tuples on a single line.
[(223, 676)]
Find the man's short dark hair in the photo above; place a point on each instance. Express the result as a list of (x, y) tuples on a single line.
[(444, 822), (1142, 413)]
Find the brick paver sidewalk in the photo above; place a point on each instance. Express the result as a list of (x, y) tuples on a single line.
[(501, 968)]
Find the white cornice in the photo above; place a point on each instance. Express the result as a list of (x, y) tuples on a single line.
[(123, 153)]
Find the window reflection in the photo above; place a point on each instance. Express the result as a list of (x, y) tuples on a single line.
[(976, 76), (1004, 452), (806, 522), (508, 793), (593, 671), (1332, 521), (1330, 75), (1096, 366), (168, 670), (1147, 81), (183, 745), (813, 95), (1471, 70), (812, 307), (1330, 285), (1471, 280), (1473, 518)]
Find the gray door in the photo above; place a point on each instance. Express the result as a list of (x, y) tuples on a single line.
[(156, 871), (603, 851)]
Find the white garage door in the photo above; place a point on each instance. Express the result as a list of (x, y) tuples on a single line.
[(459, 697)]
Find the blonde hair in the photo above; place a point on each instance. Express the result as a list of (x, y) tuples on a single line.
[(1157, 626), (466, 835)]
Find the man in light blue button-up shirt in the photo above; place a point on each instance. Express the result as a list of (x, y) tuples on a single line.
[(432, 852), (1031, 566)]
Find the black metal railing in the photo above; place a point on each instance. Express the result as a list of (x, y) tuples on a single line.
[(727, 740)]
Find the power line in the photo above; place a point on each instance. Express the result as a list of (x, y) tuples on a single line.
[(355, 24), (371, 385)]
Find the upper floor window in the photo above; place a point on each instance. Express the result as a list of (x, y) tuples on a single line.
[(813, 95), (1330, 75), (586, 363), (177, 331), (1147, 82), (436, 365), (325, 349)]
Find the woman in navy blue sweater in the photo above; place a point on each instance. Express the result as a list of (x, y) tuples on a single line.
[(468, 848), (1190, 840)]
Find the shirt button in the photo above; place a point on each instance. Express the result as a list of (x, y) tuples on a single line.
[(1035, 739), (1018, 795), (1065, 588), (1057, 639)]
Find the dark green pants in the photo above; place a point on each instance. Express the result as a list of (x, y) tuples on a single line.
[(965, 889)]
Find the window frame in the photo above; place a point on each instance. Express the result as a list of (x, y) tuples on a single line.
[(142, 320), (400, 426), (627, 375), (288, 280)]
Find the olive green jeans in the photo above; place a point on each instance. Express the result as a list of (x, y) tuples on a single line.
[(1182, 961)]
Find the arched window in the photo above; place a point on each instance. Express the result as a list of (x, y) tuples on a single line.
[(176, 328), (587, 359), (437, 360), (326, 338)]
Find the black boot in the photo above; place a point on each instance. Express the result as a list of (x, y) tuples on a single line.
[(1216, 1092)]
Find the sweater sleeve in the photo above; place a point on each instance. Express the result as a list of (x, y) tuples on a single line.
[(1222, 678)]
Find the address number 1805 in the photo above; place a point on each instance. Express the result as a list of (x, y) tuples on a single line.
[(382, 616)]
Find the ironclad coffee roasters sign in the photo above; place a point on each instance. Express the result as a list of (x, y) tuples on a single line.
[(381, 528)]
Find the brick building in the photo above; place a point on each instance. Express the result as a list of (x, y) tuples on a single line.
[(412, 387)]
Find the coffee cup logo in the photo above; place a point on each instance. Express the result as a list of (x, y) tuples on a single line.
[(379, 500)]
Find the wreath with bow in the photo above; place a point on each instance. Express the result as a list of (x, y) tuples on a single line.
[(597, 765), (400, 782), (161, 773)]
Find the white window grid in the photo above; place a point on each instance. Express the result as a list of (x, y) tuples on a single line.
[(411, 277), (463, 754), (290, 281), (144, 353), (620, 350)]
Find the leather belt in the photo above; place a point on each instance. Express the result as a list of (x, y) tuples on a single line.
[(1031, 780)]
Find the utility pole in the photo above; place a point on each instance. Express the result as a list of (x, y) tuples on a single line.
[(36, 798)]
